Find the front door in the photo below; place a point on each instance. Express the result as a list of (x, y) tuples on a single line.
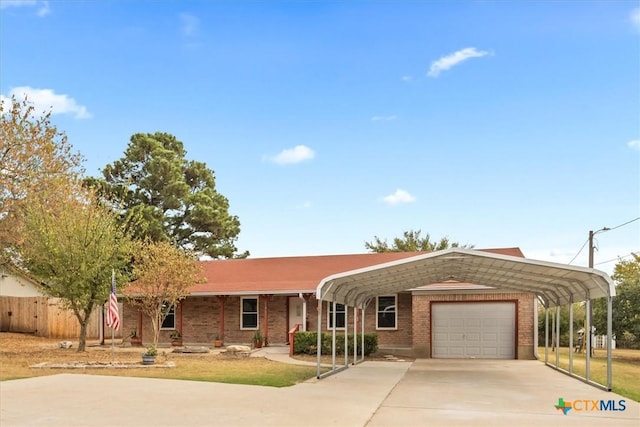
[(295, 312)]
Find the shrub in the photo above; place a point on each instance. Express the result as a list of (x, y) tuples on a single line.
[(307, 343)]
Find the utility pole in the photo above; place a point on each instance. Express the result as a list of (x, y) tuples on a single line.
[(590, 314), (591, 233)]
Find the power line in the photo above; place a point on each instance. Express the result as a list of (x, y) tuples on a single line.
[(622, 225), (616, 259), (604, 229), (583, 245)]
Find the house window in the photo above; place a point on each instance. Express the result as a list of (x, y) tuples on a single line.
[(387, 312), (249, 313), (169, 322), (340, 311)]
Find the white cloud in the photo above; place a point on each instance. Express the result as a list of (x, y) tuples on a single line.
[(43, 9), (289, 156), (556, 252), (190, 24), (634, 17), (384, 118), (400, 196), (454, 59), (406, 79), (44, 100), (634, 144), (17, 3)]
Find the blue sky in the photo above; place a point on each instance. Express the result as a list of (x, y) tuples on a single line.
[(496, 124)]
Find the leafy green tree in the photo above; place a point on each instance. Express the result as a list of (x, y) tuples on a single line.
[(72, 243), (168, 198), (162, 277), (411, 241), (626, 305), (35, 160)]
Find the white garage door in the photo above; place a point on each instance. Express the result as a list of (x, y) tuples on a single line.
[(473, 330)]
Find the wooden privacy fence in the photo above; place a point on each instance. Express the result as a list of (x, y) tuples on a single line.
[(44, 317)]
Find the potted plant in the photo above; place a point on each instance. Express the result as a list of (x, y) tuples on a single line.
[(217, 342), (176, 338), (136, 341), (149, 356), (257, 339)]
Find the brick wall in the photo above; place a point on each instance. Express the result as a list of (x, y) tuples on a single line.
[(199, 320), (400, 337), (403, 334)]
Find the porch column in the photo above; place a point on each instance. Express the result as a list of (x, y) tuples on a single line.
[(179, 317), (222, 299), (267, 298), (305, 299), (140, 323)]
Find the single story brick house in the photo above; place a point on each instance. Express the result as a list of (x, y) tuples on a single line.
[(274, 295)]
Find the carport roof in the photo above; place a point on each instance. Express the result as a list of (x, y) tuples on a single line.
[(556, 284)]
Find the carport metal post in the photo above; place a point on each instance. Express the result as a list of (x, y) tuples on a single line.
[(333, 335), (546, 334), (319, 338), (364, 307), (355, 335), (557, 336), (587, 337), (571, 334), (346, 339), (609, 341)]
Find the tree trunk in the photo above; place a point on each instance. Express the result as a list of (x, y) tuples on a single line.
[(83, 336), (156, 329)]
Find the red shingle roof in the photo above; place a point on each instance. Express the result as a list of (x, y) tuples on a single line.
[(291, 274)]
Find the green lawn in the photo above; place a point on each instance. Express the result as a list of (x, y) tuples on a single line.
[(626, 368)]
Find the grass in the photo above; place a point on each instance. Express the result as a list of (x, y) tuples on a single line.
[(19, 351), (625, 368)]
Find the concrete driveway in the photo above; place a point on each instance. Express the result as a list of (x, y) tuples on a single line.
[(497, 393), (425, 392)]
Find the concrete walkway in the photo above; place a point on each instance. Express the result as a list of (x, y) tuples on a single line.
[(281, 354), (372, 394)]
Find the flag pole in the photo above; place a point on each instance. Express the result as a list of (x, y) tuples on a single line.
[(113, 330)]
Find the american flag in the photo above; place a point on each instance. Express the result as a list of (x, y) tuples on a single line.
[(113, 317)]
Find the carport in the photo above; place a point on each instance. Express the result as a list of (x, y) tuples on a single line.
[(554, 284)]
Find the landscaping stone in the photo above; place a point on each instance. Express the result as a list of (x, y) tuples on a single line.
[(238, 348), (237, 351), (100, 365), (191, 350)]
